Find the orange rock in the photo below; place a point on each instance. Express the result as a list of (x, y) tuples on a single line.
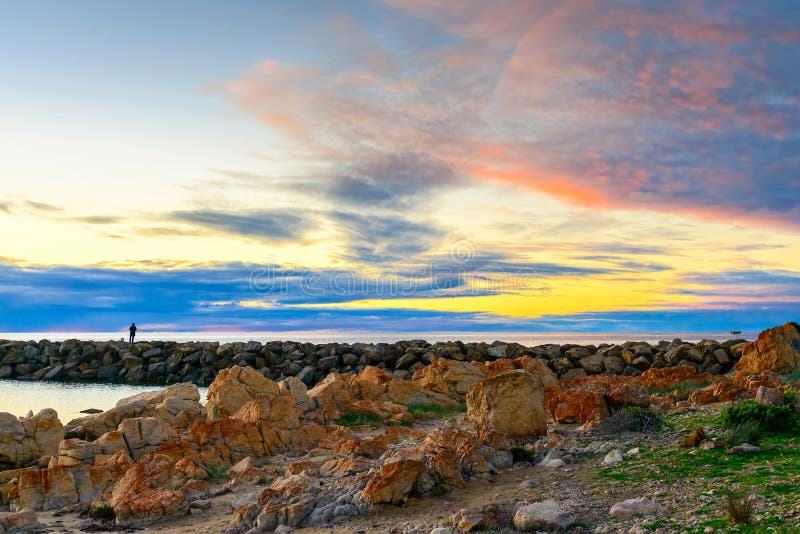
[(235, 386), (149, 506), (508, 407), (776, 349), (695, 438), (580, 406), (278, 409), (450, 377), (394, 482), (667, 377)]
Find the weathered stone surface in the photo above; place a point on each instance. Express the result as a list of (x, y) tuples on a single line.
[(776, 349), (142, 434), (546, 515), (507, 407), (234, 387), (642, 506), (394, 482), (24, 440), (450, 377), (178, 405)]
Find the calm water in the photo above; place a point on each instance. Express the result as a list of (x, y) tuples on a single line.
[(19, 396), (338, 336)]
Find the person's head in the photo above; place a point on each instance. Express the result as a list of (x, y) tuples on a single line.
[(133, 324)]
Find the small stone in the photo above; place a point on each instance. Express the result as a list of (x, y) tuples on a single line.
[(545, 515), (744, 448), (528, 484), (613, 457), (641, 506), (632, 453)]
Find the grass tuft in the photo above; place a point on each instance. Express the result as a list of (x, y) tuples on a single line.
[(744, 432), (351, 418), (431, 411), (631, 419), (682, 390), (740, 508), (217, 473), (103, 511)]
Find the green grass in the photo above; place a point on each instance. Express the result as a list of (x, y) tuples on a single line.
[(792, 378), (431, 411), (217, 473), (351, 418), (684, 389)]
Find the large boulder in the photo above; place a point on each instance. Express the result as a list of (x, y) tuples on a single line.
[(142, 434), (643, 506), (776, 349), (234, 387), (452, 378), (24, 440), (589, 399), (178, 405), (507, 407)]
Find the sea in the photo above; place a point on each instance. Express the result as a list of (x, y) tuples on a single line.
[(20, 397)]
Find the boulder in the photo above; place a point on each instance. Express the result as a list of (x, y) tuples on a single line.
[(24, 440), (507, 407), (776, 349), (142, 434), (234, 387), (769, 396), (450, 377), (178, 405), (394, 482), (643, 506), (545, 516)]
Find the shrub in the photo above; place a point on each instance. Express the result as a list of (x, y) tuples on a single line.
[(217, 473), (740, 507), (351, 418), (630, 418), (682, 390), (792, 377), (773, 419), (103, 511), (746, 432), (428, 411), (790, 396), (521, 454)]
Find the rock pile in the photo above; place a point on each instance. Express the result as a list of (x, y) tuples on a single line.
[(168, 362)]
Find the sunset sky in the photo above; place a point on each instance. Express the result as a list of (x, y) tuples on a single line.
[(403, 165)]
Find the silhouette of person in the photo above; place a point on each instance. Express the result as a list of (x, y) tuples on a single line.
[(132, 330)]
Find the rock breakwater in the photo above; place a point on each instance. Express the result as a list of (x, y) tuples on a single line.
[(169, 362)]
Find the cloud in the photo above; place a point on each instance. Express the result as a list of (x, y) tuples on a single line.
[(382, 238), (683, 108), (270, 225), (97, 219), (221, 296), (41, 206)]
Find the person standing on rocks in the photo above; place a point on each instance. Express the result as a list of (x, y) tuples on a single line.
[(132, 330)]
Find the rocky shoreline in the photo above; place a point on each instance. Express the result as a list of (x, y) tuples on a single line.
[(169, 362), (356, 450)]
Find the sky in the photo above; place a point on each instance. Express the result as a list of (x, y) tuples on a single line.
[(399, 165)]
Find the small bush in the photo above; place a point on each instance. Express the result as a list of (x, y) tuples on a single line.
[(103, 511), (772, 419), (351, 418), (521, 454), (790, 396), (217, 473), (429, 411), (746, 432), (740, 508), (631, 419), (792, 377), (682, 390)]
